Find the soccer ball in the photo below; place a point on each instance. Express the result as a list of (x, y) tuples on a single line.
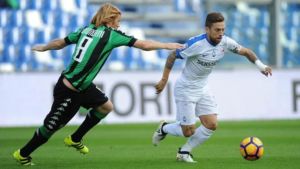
[(251, 148)]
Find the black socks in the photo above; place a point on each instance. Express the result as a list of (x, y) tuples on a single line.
[(92, 119)]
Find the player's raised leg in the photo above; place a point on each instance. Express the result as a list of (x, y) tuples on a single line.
[(92, 119), (159, 134)]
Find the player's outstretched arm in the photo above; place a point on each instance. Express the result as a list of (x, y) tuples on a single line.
[(148, 45), (55, 44), (168, 67), (251, 56)]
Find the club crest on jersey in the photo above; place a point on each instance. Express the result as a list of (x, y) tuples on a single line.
[(214, 53)]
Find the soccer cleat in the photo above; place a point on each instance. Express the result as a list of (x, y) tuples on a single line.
[(159, 135), (22, 160), (185, 156), (77, 145)]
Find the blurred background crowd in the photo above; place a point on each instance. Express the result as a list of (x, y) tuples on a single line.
[(270, 27)]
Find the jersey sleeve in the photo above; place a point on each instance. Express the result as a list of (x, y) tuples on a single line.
[(121, 39), (186, 52), (232, 45), (190, 48), (73, 37), (180, 54)]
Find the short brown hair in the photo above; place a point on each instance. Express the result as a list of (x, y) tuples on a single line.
[(213, 17), (106, 13)]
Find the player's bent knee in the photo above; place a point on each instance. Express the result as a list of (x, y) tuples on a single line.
[(212, 126), (188, 131), (105, 108), (188, 134)]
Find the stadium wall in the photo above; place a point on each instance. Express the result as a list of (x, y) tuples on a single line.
[(25, 99)]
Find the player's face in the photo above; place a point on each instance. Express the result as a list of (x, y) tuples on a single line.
[(116, 23), (216, 32)]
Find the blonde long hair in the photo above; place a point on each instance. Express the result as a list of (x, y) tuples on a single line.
[(106, 14)]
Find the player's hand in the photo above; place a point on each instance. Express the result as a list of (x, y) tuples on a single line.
[(39, 48), (172, 46), (267, 71), (160, 85)]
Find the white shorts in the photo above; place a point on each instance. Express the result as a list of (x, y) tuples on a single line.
[(187, 111)]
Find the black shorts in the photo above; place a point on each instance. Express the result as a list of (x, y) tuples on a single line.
[(91, 97), (67, 102)]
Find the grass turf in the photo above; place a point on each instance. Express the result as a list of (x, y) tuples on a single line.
[(128, 146)]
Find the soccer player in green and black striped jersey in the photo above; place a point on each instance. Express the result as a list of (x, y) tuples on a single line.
[(75, 87)]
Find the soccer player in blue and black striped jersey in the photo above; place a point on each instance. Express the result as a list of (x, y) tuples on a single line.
[(75, 87)]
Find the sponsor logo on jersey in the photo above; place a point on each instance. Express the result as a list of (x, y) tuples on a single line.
[(207, 64)]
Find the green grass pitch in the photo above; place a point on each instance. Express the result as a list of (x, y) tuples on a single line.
[(125, 146)]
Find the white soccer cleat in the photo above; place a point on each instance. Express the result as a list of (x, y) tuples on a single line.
[(159, 135), (185, 156)]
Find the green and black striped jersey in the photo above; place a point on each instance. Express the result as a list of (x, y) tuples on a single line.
[(93, 46)]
